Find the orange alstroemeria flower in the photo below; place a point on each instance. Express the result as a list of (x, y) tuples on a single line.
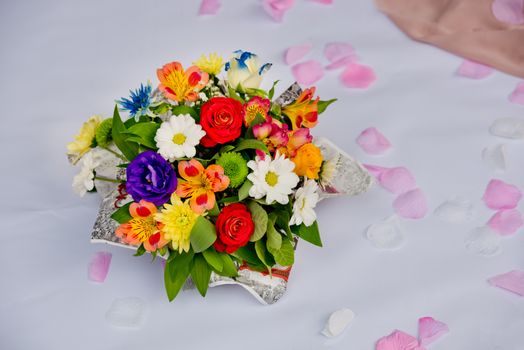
[(180, 85), (304, 111), (200, 184), (142, 228)]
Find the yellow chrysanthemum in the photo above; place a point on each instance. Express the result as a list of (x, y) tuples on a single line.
[(212, 64), (84, 139), (177, 221)]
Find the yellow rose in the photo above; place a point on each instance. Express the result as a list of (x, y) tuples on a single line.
[(84, 139), (308, 161)]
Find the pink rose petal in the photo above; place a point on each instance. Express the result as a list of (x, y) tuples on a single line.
[(357, 76), (500, 195), (474, 70), (517, 96), (341, 62), (509, 11), (209, 7), (430, 330), (295, 53), (373, 142), (277, 8), (506, 222), (99, 266), (338, 50), (411, 205), (397, 180), (325, 2), (308, 72), (375, 170), (512, 281), (398, 340)]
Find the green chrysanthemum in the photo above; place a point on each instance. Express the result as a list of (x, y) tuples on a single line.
[(103, 132), (235, 167)]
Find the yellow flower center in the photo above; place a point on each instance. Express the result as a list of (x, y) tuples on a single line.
[(271, 178), (143, 228), (179, 139)]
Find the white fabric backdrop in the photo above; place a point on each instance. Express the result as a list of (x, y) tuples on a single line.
[(62, 61)]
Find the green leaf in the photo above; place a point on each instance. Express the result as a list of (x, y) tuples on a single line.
[(213, 258), (183, 109), (283, 222), (140, 250), (310, 234), (144, 134), (234, 95), (230, 269), (322, 105), (176, 272), (256, 92), (118, 133), (200, 274), (260, 219), (272, 90), (247, 253), (203, 234), (251, 144), (263, 255), (274, 239), (227, 148), (227, 200), (121, 215), (243, 191), (285, 256), (215, 211)]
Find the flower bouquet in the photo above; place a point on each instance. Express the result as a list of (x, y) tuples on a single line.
[(213, 174)]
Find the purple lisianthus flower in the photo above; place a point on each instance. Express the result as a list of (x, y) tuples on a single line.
[(151, 178)]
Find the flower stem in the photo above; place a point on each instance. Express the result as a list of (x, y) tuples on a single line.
[(101, 178), (115, 153)]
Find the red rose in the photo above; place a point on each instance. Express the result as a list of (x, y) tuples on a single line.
[(221, 119), (234, 228)]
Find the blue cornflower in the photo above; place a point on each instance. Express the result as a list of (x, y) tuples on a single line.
[(138, 102)]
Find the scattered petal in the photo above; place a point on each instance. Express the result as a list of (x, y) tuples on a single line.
[(483, 241), (495, 157), (308, 72), (277, 8), (411, 205), (337, 323), (373, 141), (325, 2), (295, 53), (509, 11), (386, 234), (512, 281), (99, 266), (506, 222), (397, 180), (474, 70), (398, 340), (517, 96), (456, 210), (357, 76), (511, 128), (126, 312), (209, 7), (338, 50), (375, 170), (341, 62), (500, 195), (430, 330)]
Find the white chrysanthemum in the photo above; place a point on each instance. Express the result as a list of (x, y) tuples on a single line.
[(273, 178), (178, 137), (85, 180), (306, 198)]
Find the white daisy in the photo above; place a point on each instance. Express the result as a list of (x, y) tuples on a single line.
[(178, 137), (306, 198), (273, 178), (85, 180)]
